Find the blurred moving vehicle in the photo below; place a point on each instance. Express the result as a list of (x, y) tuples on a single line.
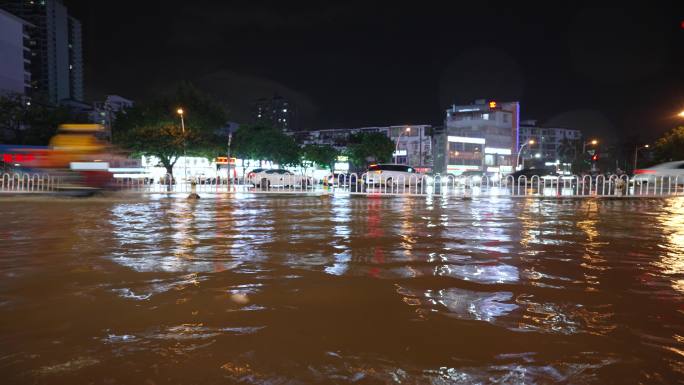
[(672, 170), (392, 174), (539, 172), (276, 177), (78, 157)]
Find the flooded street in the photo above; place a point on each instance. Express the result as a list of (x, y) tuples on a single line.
[(309, 289)]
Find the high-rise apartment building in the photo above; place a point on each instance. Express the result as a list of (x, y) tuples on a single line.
[(15, 54), (276, 111), (56, 50)]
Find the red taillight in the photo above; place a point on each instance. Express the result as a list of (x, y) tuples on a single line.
[(636, 172)]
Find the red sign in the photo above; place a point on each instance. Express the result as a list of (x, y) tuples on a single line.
[(10, 158)]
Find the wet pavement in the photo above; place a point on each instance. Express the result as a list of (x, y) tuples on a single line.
[(318, 289)]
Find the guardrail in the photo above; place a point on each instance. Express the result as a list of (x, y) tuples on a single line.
[(377, 184), (28, 183)]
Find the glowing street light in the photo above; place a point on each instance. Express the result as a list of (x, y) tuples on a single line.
[(180, 112), (396, 148), (681, 114), (530, 142), (593, 142)]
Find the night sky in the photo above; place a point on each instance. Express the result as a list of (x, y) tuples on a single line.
[(575, 64)]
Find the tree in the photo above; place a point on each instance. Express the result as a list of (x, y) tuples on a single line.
[(568, 150), (369, 147), (32, 123), (13, 118), (670, 146), (154, 128), (323, 156), (261, 142)]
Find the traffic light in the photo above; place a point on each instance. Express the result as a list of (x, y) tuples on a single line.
[(595, 157), (492, 105)]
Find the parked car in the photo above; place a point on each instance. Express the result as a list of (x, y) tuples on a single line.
[(276, 177), (392, 174), (673, 170), (255, 171)]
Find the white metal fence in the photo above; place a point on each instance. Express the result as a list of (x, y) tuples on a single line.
[(28, 183), (370, 184)]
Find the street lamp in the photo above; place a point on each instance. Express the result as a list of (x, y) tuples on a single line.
[(517, 163), (593, 142), (636, 153), (396, 148), (681, 114), (185, 158)]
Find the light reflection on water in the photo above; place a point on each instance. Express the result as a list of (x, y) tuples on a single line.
[(265, 289)]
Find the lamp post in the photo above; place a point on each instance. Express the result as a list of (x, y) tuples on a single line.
[(593, 142), (396, 148), (185, 158), (681, 114), (517, 163), (636, 154)]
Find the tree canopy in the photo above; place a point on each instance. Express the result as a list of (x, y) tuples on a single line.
[(32, 123), (670, 146), (323, 156), (154, 128), (369, 147), (262, 142)]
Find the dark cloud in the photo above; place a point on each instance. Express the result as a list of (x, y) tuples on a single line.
[(614, 45), (590, 121)]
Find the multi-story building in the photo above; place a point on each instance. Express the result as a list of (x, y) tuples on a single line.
[(412, 142), (56, 52), (480, 136), (413, 145), (75, 59), (276, 111), (550, 144), (105, 112), (15, 54)]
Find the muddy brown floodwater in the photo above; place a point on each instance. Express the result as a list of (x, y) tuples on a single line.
[(307, 289)]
